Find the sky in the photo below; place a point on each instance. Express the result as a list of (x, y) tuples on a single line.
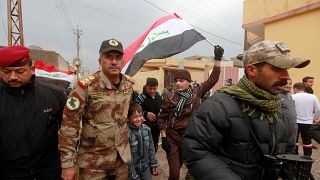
[(50, 24)]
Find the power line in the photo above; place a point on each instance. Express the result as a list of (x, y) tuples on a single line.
[(62, 12), (218, 27), (157, 7), (76, 10), (100, 10), (220, 37), (216, 11), (196, 14)]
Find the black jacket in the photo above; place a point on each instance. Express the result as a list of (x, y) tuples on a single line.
[(30, 117), (150, 104), (217, 144)]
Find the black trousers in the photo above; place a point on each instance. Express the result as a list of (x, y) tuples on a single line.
[(155, 132), (306, 138), (314, 132)]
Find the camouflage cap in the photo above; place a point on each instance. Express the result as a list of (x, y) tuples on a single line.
[(275, 53)]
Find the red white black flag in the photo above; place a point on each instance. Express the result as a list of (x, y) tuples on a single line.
[(52, 75), (168, 36)]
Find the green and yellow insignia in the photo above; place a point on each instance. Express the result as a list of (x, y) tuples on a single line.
[(113, 42), (73, 103)]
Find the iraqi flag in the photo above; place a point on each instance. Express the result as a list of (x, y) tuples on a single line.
[(50, 74), (168, 36)]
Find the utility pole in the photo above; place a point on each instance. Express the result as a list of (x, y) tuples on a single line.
[(15, 27), (76, 60)]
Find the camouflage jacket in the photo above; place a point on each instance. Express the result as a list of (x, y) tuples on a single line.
[(94, 125)]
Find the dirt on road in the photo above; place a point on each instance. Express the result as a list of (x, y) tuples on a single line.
[(164, 168)]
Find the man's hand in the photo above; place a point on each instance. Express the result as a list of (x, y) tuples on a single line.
[(165, 144), (218, 52), (151, 116), (154, 171), (70, 173)]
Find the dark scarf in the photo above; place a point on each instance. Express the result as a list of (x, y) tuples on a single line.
[(255, 98), (184, 95)]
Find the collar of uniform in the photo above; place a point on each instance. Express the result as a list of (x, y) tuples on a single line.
[(107, 83)]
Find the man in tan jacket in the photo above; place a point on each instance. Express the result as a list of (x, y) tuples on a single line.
[(99, 146)]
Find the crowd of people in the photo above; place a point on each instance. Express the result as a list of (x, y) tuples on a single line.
[(103, 130)]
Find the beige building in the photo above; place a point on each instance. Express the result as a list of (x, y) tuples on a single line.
[(50, 57), (199, 68), (294, 22)]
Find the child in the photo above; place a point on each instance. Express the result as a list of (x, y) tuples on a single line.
[(150, 102), (144, 162)]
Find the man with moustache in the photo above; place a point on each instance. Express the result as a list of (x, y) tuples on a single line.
[(30, 116), (93, 135), (236, 129)]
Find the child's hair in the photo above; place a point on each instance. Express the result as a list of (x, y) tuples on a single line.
[(151, 82), (133, 108)]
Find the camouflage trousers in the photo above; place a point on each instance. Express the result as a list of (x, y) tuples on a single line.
[(120, 172)]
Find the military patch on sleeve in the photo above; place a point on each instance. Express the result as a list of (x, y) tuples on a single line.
[(73, 103)]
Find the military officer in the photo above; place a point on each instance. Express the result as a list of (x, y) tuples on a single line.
[(100, 104)]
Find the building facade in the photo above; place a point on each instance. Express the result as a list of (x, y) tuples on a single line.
[(198, 66), (52, 58), (294, 22)]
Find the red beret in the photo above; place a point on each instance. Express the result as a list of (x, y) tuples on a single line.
[(14, 56)]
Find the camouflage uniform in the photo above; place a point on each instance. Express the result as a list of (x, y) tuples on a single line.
[(103, 145)]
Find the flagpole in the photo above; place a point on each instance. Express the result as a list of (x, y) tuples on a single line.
[(224, 67), (210, 43)]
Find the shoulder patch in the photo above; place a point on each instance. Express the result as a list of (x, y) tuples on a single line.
[(86, 81), (73, 103), (129, 78)]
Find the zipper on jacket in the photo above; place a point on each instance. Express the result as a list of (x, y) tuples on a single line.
[(273, 139), (21, 94), (141, 148), (272, 149)]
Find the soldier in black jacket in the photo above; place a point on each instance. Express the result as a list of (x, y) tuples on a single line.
[(237, 128), (30, 116), (150, 101)]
